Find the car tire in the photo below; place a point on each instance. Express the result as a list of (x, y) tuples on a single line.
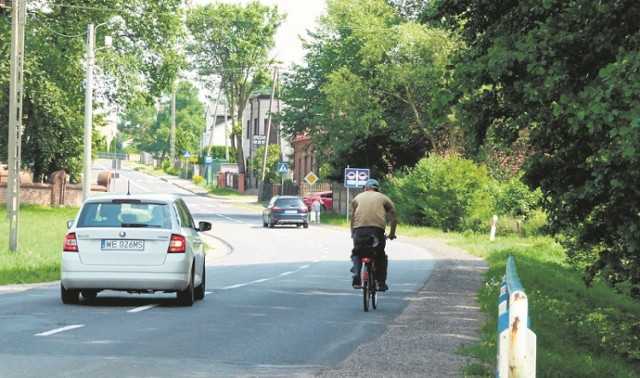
[(186, 297), (69, 296), (305, 225), (264, 224), (200, 289), (89, 294), (271, 224)]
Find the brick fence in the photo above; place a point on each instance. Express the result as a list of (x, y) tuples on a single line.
[(58, 192)]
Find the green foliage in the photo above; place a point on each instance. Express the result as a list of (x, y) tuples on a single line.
[(218, 152), (371, 92), (515, 199), (197, 179), (444, 193), (229, 48), (568, 73), (53, 90), (271, 166), (150, 130), (581, 331)]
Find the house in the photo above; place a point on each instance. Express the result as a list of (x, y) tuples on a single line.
[(303, 160), (255, 122), (217, 127)]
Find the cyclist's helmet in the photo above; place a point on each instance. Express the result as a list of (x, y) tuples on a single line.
[(372, 183)]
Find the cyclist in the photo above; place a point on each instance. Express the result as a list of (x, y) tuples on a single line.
[(369, 212)]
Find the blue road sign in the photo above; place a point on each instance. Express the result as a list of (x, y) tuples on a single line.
[(355, 177), (283, 168)]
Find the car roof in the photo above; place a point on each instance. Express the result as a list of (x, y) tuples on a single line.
[(154, 197)]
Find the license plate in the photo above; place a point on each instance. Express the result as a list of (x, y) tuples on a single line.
[(122, 245), (291, 211)]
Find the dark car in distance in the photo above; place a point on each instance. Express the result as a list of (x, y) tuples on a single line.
[(285, 210)]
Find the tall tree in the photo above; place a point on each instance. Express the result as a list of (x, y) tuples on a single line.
[(369, 93), (150, 129), (230, 45), (143, 61), (567, 74)]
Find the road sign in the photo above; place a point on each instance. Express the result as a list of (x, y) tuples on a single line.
[(355, 177), (259, 139), (208, 160), (187, 154), (283, 168), (311, 178)]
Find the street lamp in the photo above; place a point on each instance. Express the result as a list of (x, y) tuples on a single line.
[(88, 103)]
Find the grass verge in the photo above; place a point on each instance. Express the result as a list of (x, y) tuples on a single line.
[(41, 232), (581, 331)]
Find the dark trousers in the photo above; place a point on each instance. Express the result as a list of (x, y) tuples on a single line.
[(361, 240)]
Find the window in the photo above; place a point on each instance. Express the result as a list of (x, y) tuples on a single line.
[(184, 216)]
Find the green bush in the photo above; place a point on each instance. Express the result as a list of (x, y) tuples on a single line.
[(515, 199), (444, 193), (197, 179)]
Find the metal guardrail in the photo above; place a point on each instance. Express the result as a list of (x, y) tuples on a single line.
[(516, 341)]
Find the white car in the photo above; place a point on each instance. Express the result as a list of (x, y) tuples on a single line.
[(136, 243)]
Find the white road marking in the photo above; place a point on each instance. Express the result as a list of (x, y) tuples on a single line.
[(53, 331), (265, 279), (142, 308)]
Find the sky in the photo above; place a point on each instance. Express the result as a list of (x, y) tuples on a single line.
[(301, 15)]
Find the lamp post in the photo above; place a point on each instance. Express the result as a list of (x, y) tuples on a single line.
[(88, 102)]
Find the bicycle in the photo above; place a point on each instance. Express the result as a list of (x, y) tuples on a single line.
[(367, 250), (369, 283)]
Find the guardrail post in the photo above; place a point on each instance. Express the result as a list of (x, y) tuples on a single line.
[(516, 341)]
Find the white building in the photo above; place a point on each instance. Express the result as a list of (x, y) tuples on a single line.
[(254, 131), (218, 128)]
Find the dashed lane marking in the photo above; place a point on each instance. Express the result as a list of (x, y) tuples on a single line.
[(57, 330)]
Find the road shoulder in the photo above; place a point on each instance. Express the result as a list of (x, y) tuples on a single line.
[(424, 339)]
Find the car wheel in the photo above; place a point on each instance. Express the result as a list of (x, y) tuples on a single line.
[(199, 291), (305, 225), (69, 296), (264, 224), (271, 224), (89, 294), (186, 297)]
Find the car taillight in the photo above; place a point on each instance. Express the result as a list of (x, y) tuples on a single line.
[(177, 244), (277, 209), (70, 243), (304, 209)]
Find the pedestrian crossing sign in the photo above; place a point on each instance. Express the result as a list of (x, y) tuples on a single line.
[(283, 168)]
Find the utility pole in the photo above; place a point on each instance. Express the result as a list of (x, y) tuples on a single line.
[(88, 101), (172, 141), (88, 114), (268, 134), (18, 20)]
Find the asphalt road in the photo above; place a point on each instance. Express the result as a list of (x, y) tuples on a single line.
[(278, 303)]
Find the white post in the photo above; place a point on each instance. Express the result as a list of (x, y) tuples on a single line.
[(88, 114), (494, 225)]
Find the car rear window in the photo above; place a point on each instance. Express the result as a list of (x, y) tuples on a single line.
[(289, 202), (112, 214)]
